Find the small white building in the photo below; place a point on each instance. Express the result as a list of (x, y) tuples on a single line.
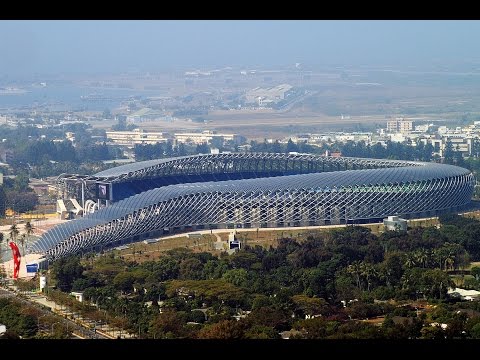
[(233, 242), (3, 329), (464, 294), (78, 295), (395, 223)]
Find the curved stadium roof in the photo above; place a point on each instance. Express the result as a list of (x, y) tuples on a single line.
[(392, 173)]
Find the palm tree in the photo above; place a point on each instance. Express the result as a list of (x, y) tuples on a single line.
[(13, 232), (438, 257), (22, 242), (410, 261), (449, 261), (28, 230), (355, 270), (368, 271), (422, 257)]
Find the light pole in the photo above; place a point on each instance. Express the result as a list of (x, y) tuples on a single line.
[(38, 320), (98, 309), (106, 320), (51, 330), (95, 329), (96, 301), (83, 197)]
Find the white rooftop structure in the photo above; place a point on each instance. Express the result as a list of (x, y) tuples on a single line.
[(464, 294)]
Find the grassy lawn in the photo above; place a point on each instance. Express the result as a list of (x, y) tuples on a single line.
[(141, 252), (474, 263)]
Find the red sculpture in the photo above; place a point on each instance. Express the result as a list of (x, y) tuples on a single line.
[(16, 259)]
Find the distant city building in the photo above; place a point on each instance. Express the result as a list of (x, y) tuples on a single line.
[(399, 125), (41, 187), (137, 136), (206, 137), (423, 128), (334, 154), (263, 96), (464, 294)]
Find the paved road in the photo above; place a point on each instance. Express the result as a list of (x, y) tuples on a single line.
[(78, 330)]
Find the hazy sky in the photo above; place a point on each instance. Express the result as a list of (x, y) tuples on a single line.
[(43, 46)]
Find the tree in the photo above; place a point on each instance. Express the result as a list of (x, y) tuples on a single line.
[(422, 256), (226, 329), (1, 242), (270, 316), (410, 261), (261, 332), (448, 152), (474, 271), (459, 161), (475, 331), (391, 269), (436, 283), (122, 122), (369, 272), (124, 282), (28, 230), (168, 324), (432, 333), (191, 268), (315, 328), (355, 270), (310, 306), (66, 271), (237, 277), (22, 243), (243, 259), (106, 114), (291, 146), (14, 232), (202, 149), (3, 201), (21, 182), (22, 201)]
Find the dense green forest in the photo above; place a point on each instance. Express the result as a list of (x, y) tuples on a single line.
[(323, 287), (18, 319)]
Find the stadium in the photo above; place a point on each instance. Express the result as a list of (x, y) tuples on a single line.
[(156, 198)]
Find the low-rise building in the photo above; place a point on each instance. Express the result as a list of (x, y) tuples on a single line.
[(264, 96), (463, 294), (137, 136), (206, 137), (395, 223), (399, 125)]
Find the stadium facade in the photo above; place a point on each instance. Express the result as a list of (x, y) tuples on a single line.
[(250, 190)]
